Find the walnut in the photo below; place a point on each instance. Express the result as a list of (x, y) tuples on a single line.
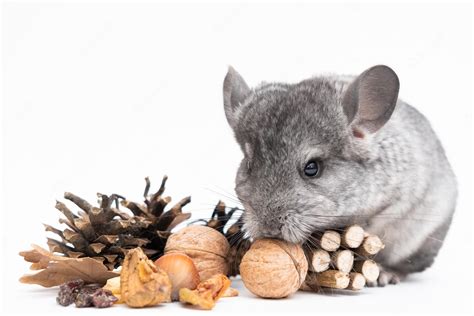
[(141, 282), (206, 246), (273, 268), (207, 293)]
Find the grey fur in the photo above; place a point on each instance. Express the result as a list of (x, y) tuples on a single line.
[(393, 178)]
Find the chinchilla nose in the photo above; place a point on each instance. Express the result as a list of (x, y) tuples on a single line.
[(282, 219), (270, 232), (272, 225)]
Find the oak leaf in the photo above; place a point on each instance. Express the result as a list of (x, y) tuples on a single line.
[(56, 270)]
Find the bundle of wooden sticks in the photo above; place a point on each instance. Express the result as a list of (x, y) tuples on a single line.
[(343, 261)]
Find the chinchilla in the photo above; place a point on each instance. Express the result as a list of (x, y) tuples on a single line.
[(336, 150)]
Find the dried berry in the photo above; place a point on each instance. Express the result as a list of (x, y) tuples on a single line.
[(85, 295), (103, 298), (68, 292)]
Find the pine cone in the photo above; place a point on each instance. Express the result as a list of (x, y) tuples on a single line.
[(106, 233), (239, 244)]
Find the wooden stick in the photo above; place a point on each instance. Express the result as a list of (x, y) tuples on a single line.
[(370, 246), (319, 260), (343, 260), (357, 281), (368, 268), (330, 240), (332, 278), (353, 236)]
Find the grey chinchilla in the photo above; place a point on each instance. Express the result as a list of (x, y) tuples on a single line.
[(335, 150)]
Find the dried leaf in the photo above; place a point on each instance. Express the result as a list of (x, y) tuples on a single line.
[(55, 270)]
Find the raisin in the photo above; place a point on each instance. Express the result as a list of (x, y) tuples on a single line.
[(68, 292), (85, 295), (103, 298)]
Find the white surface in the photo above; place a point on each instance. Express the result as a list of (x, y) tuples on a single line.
[(98, 96)]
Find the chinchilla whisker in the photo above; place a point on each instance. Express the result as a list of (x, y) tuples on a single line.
[(212, 206), (205, 219), (435, 239), (234, 215), (315, 243), (312, 244), (236, 242), (232, 198), (236, 235), (204, 235), (193, 222), (380, 214), (363, 215), (229, 193), (413, 219), (237, 247), (237, 238), (377, 216), (224, 195)]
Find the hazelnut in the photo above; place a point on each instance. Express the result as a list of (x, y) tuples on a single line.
[(181, 271), (273, 268), (204, 245)]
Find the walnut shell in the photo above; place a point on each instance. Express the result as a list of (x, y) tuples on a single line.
[(206, 246), (273, 268)]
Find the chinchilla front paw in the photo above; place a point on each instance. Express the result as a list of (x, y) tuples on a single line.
[(386, 276)]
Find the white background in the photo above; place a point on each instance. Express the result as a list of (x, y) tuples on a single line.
[(98, 96)]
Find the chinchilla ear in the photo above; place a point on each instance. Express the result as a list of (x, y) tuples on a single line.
[(235, 93), (371, 98)]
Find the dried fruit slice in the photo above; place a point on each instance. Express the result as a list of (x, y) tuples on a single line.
[(141, 282), (230, 292), (113, 285), (207, 292)]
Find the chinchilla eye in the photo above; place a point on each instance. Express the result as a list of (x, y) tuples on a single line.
[(312, 168)]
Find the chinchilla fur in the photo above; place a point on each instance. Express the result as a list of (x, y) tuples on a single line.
[(380, 164)]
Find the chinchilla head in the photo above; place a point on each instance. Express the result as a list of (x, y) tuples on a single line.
[(305, 146)]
